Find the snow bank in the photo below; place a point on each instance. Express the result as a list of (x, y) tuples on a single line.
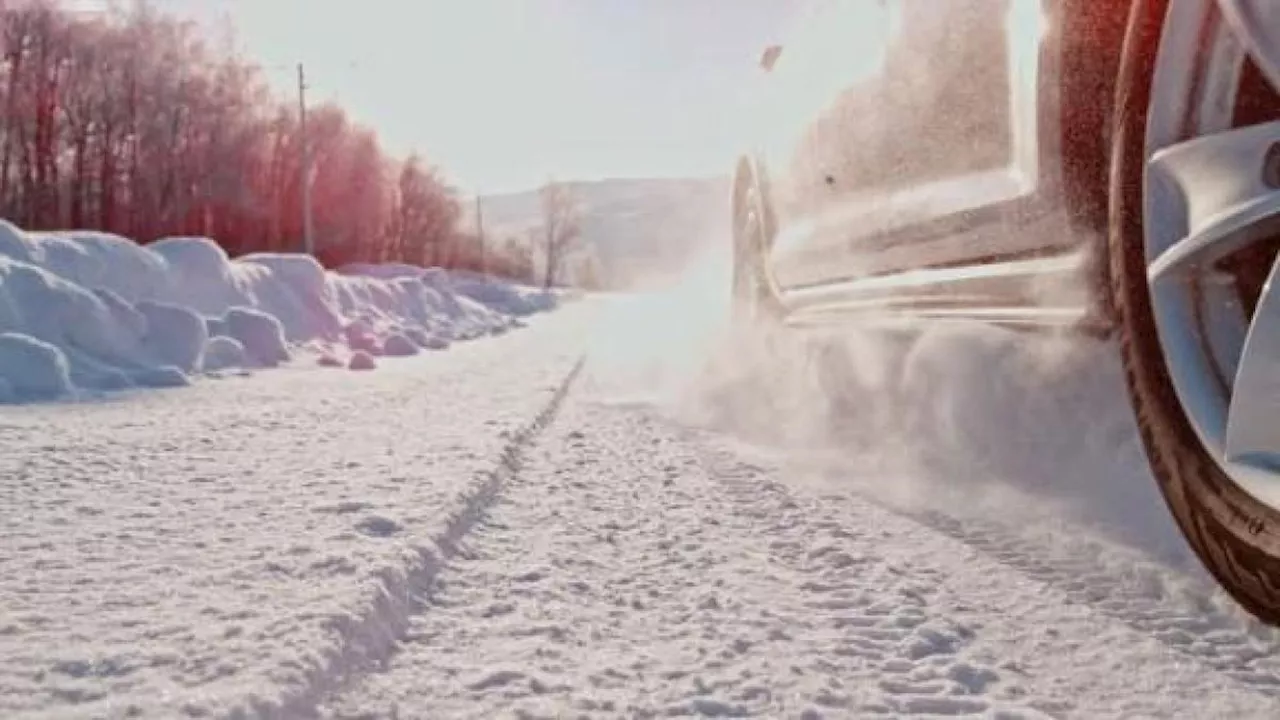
[(515, 300), (260, 334), (222, 352), (399, 346), (94, 311), (174, 335), (362, 360), (32, 369)]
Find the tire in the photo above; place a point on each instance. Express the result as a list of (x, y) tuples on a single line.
[(1236, 536), (755, 297)]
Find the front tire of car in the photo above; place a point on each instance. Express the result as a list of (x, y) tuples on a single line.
[(755, 299), (1234, 533)]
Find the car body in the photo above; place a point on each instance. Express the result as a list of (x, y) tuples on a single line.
[(927, 169), (1111, 166)]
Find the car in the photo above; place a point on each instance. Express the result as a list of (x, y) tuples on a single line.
[(1103, 166)]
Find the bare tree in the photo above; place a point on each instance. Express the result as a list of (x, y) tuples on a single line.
[(561, 228), (427, 214), (130, 122)]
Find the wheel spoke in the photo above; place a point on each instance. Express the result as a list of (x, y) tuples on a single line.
[(1212, 195), (1253, 435), (1257, 24)]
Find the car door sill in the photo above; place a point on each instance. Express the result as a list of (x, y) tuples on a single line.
[(1051, 290)]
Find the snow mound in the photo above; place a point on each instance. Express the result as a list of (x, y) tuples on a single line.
[(222, 353), (101, 260), (122, 311), (517, 301), (301, 297), (119, 315), (164, 376), (360, 336), (399, 346), (362, 360), (32, 369), (261, 335), (205, 278), (175, 335), (96, 338), (427, 340)]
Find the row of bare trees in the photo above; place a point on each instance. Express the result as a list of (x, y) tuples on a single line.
[(128, 122)]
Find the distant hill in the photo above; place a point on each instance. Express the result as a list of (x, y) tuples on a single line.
[(640, 229)]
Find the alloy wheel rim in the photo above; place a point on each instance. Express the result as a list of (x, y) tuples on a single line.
[(1211, 221)]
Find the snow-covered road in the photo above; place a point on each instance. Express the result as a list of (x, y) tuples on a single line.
[(505, 531), (239, 545), (632, 569)]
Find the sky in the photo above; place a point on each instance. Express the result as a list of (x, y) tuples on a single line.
[(502, 95)]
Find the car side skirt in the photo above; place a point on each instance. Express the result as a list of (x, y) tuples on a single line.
[(1044, 292)]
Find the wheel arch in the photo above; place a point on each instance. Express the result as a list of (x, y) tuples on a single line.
[(1092, 37), (1092, 44)]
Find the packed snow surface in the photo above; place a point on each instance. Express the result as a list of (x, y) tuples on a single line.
[(588, 518), (84, 311), (241, 546)]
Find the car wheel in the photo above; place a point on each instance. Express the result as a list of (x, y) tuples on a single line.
[(755, 297), (1193, 232)]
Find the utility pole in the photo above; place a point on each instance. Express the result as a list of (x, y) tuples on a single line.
[(308, 242), (480, 233)]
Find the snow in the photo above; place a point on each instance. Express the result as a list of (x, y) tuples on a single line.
[(242, 546), (120, 315), (221, 353), (360, 337), (259, 333), (174, 335), (161, 376), (631, 565), (513, 299), (32, 369), (92, 337), (399, 345), (684, 523), (516, 301), (361, 360)]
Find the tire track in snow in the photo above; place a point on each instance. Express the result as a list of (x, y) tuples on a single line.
[(634, 570), (1192, 624), (1189, 618), (1092, 576), (369, 640), (880, 620)]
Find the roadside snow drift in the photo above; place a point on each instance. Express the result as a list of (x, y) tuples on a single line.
[(94, 311)]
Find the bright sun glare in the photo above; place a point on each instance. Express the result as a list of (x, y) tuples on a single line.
[(502, 94)]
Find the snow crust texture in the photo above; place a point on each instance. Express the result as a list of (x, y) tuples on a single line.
[(504, 531), (119, 315), (237, 549), (633, 568)]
